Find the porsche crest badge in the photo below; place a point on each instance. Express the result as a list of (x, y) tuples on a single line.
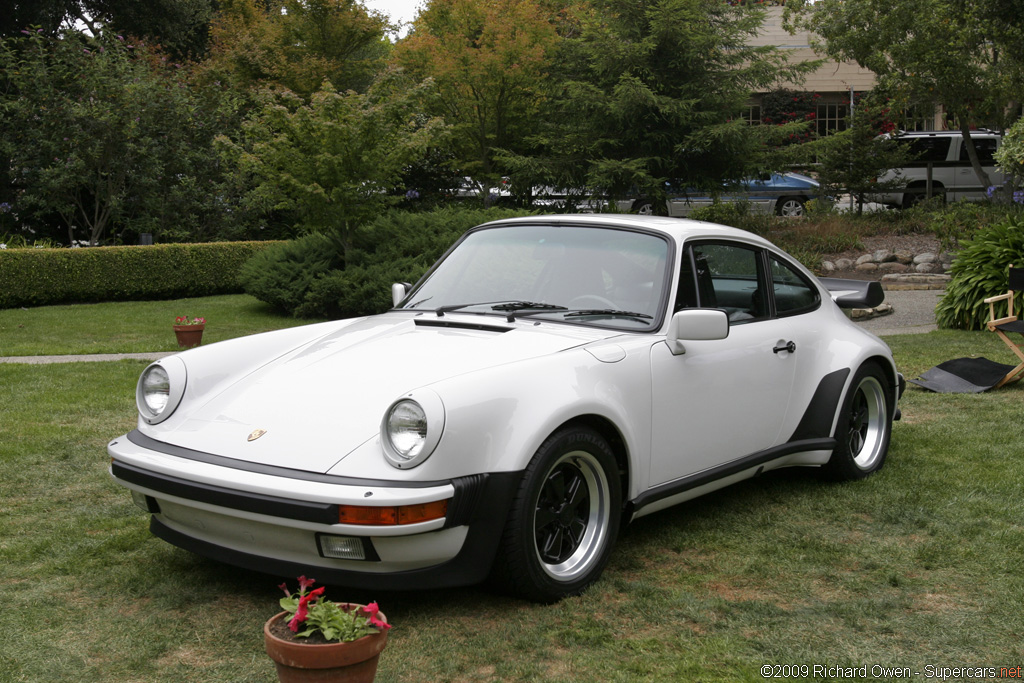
[(255, 434)]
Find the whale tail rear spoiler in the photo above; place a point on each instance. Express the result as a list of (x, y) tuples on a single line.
[(854, 293)]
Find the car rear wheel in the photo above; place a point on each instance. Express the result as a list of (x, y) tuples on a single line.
[(644, 207), (564, 519), (791, 207), (864, 427)]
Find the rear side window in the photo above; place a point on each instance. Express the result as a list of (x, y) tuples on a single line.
[(930, 149), (986, 147), (793, 293)]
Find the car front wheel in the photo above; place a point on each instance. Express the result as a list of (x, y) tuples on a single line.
[(864, 427), (564, 519)]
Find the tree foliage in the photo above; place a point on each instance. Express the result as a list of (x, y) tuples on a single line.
[(489, 63), (851, 160), (655, 90), (101, 132), (296, 44), (963, 55), (334, 160)]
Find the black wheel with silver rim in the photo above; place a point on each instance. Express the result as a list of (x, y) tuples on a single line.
[(644, 207), (792, 207), (864, 426), (564, 519)]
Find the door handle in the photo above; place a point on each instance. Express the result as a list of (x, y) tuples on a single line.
[(789, 346)]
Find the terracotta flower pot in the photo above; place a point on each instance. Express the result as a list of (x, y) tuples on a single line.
[(189, 335), (298, 661)]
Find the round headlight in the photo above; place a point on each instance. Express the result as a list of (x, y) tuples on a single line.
[(407, 429), (160, 389), (156, 389), (412, 428)]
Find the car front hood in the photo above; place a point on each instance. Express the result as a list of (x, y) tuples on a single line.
[(321, 401)]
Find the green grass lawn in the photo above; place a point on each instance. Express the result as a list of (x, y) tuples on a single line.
[(131, 326), (919, 565)]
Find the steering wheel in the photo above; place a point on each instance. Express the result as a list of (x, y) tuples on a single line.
[(580, 301)]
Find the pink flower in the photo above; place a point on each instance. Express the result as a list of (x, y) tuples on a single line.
[(300, 616), (284, 587), (372, 610), (305, 583)]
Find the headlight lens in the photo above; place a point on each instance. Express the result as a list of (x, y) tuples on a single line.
[(411, 428), (156, 389), (160, 389), (407, 429)]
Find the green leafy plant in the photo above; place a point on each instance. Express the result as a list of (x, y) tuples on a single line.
[(186, 320), (341, 621), (980, 271)]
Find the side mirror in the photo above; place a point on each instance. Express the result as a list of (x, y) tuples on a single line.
[(398, 292), (696, 324)]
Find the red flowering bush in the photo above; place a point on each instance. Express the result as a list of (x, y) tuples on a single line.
[(341, 621)]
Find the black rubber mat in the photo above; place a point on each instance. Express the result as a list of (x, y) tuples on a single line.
[(963, 376)]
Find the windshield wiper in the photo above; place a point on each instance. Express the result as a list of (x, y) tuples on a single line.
[(607, 313), (500, 306), (522, 305)]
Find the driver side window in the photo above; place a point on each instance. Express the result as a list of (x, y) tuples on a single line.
[(726, 276)]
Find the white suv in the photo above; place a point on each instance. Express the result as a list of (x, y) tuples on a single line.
[(953, 177)]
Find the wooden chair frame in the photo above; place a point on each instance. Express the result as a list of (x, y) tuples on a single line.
[(1000, 325)]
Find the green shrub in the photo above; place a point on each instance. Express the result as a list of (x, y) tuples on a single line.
[(980, 271), (307, 278), (38, 277), (281, 276)]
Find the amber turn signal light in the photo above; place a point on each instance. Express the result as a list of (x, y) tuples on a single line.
[(391, 515)]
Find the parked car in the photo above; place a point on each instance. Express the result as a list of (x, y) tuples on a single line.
[(953, 177), (784, 194), (548, 380)]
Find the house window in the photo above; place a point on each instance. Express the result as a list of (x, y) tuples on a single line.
[(917, 118), (832, 118), (753, 114)]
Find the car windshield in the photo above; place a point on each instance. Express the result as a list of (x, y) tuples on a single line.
[(585, 275)]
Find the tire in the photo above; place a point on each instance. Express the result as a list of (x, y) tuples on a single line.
[(644, 207), (864, 427), (791, 207), (564, 519), (916, 195)]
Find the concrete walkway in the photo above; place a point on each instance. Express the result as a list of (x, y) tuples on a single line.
[(87, 358)]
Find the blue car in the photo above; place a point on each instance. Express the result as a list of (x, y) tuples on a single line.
[(785, 194)]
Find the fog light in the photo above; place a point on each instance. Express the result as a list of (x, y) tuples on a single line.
[(341, 547), (145, 503)]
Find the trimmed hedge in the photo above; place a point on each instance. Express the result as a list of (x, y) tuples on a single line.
[(39, 277)]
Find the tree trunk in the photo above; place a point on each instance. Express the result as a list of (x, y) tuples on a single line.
[(972, 154)]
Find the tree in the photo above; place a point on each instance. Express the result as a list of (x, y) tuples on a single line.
[(101, 132), (333, 160), (654, 90), (297, 44), (963, 55), (852, 159), (489, 63)]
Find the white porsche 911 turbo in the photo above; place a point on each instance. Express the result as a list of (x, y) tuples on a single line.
[(549, 379)]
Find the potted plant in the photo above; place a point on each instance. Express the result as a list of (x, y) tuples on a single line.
[(189, 331), (315, 639)]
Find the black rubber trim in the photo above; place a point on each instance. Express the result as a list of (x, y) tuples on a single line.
[(143, 441), (461, 325), (674, 488), (320, 513), (816, 422), (470, 566)]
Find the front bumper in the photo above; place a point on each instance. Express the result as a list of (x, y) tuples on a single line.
[(274, 520)]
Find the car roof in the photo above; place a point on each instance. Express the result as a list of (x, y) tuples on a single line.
[(679, 229)]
